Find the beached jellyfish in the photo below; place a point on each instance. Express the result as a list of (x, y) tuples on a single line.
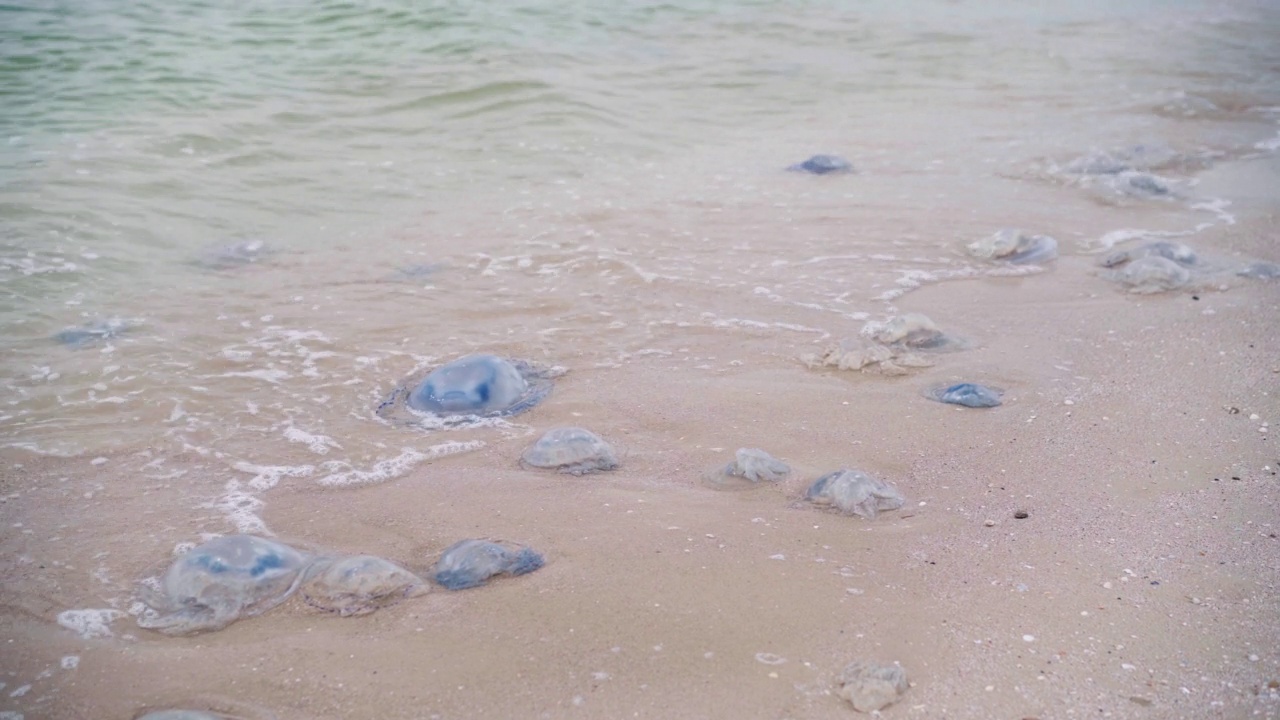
[(1151, 274), (359, 585), (1011, 245), (1114, 162), (95, 332), (750, 467), (1175, 251), (823, 164), (470, 563), (915, 332), (227, 257), (221, 581), (570, 450), (854, 493), (870, 686), (1141, 184), (967, 394), (1260, 271), (475, 385)]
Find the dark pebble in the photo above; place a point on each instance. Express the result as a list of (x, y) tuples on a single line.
[(1021, 515)]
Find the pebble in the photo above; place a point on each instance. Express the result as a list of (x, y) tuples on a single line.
[(990, 523), (1253, 658)]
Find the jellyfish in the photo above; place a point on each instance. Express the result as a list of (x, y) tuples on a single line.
[(571, 450), (360, 584), (870, 686), (469, 563), (967, 394), (1011, 245), (750, 467), (221, 581), (1150, 274), (475, 385), (91, 333), (854, 493), (822, 165), (1175, 251)]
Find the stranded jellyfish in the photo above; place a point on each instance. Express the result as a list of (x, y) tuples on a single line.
[(360, 584), (914, 331), (1150, 274), (221, 581), (750, 467), (469, 563), (1175, 251), (967, 394), (1011, 245), (823, 164), (570, 450), (854, 493), (475, 385)]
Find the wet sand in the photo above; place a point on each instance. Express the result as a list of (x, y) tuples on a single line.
[(1142, 584)]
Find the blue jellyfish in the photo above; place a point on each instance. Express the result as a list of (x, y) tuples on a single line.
[(475, 385), (469, 563), (967, 394), (822, 165), (91, 333), (222, 581)]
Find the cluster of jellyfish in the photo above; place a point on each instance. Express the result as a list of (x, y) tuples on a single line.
[(238, 576)]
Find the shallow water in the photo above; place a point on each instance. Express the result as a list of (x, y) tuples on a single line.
[(590, 185)]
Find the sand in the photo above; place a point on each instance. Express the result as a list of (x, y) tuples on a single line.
[(1137, 435)]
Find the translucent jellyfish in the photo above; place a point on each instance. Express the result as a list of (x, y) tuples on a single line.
[(867, 356), (360, 584), (469, 563), (1141, 184), (475, 385), (1151, 274), (570, 450), (823, 164), (221, 581), (1012, 246), (95, 332), (228, 257), (854, 493), (750, 467), (1260, 271), (967, 394), (1175, 251), (916, 332), (870, 686), (1114, 162)]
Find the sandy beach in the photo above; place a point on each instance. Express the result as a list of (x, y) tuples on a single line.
[(1137, 436)]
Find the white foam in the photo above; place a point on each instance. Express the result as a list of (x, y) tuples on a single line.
[(266, 477), (241, 508), (70, 662), (89, 623), (390, 468), (318, 444)]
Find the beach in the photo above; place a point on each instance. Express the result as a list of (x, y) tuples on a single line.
[(1102, 544)]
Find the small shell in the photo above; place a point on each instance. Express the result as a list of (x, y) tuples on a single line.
[(967, 394), (854, 493), (469, 563), (572, 450), (359, 585)]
